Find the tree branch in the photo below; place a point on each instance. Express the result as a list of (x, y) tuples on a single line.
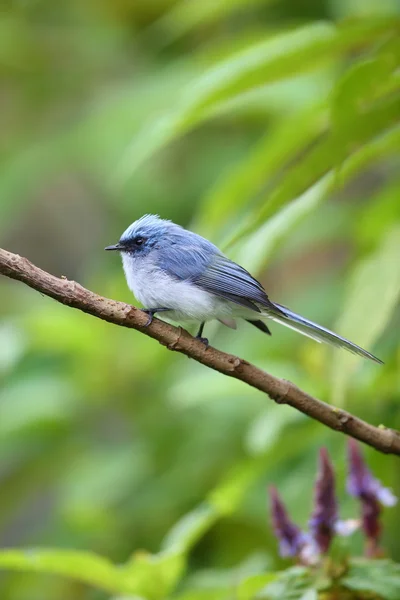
[(281, 391)]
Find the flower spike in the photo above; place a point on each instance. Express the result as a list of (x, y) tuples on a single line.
[(291, 538), (371, 493), (325, 514)]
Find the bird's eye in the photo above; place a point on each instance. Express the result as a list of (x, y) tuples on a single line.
[(139, 241)]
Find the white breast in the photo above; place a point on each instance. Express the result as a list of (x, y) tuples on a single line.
[(155, 289)]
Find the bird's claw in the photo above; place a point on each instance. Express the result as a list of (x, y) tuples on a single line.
[(150, 314), (203, 340)]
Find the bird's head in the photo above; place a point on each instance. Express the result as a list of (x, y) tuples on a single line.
[(143, 235)]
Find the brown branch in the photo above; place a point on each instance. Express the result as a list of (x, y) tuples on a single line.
[(72, 294)]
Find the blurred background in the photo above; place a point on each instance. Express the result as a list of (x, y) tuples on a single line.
[(270, 127)]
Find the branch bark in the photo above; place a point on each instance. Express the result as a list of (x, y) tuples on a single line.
[(281, 391)]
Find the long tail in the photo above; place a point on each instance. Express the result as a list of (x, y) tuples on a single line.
[(290, 319)]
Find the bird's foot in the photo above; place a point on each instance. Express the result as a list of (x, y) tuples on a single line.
[(150, 314), (203, 340), (200, 337)]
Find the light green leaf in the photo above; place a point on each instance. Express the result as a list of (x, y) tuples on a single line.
[(295, 584), (285, 55), (37, 400), (267, 429), (82, 566), (248, 588), (380, 214), (381, 577), (258, 247), (310, 594), (378, 148), (12, 345), (360, 87), (186, 15), (229, 494), (370, 87), (153, 576), (223, 500), (372, 296), (261, 167), (204, 594), (282, 56), (189, 529), (150, 576), (135, 597), (318, 169), (368, 79)]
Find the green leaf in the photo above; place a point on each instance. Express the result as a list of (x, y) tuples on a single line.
[(29, 402), (268, 428), (310, 594), (272, 60), (372, 296), (186, 15), (381, 577), (153, 576), (261, 167), (249, 587), (150, 576), (189, 529), (377, 149), (360, 87), (202, 594), (256, 249), (318, 168), (293, 584), (82, 566), (285, 55), (12, 346), (380, 214), (223, 500), (365, 95), (282, 56), (229, 494)]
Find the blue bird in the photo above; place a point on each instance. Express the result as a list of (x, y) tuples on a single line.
[(174, 271)]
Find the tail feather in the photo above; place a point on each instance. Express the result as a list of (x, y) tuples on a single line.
[(260, 325), (316, 332)]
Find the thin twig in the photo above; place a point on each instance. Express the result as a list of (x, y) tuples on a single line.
[(281, 391)]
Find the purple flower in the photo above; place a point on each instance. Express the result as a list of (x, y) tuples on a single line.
[(361, 482), (325, 514), (324, 522), (371, 493), (291, 538)]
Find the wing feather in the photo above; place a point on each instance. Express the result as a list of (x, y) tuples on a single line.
[(190, 257), (225, 278)]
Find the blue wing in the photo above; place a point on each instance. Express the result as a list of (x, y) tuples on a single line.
[(185, 255), (225, 278), (198, 260)]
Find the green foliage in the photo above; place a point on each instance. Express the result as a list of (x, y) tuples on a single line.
[(84, 566), (293, 584), (144, 575), (381, 577), (375, 282), (273, 128)]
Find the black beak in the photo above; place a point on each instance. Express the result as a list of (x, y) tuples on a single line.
[(114, 247)]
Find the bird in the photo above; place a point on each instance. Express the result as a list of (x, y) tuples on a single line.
[(184, 276)]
